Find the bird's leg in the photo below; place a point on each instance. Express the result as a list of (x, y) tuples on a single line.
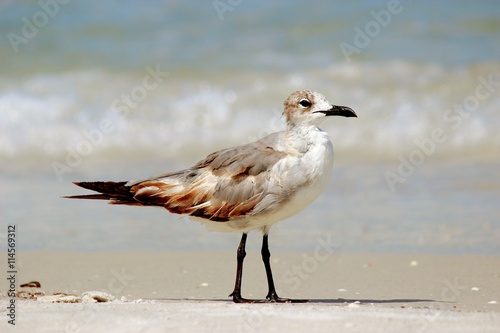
[(239, 272), (272, 296), (266, 255), (236, 294)]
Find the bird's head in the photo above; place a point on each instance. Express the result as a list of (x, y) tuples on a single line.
[(309, 107)]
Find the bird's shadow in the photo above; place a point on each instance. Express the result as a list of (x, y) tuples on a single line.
[(371, 301), (310, 301)]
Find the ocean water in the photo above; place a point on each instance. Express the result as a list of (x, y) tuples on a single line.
[(126, 89)]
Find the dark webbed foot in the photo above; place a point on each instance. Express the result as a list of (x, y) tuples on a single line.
[(239, 299), (273, 298)]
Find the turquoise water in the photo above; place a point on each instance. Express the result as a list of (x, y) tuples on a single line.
[(128, 89)]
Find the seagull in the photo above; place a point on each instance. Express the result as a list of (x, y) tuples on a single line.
[(247, 187)]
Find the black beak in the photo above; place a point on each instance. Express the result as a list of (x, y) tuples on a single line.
[(338, 110)]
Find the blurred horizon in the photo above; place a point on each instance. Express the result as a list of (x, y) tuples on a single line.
[(128, 89)]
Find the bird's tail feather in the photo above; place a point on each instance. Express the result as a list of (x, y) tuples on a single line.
[(116, 192)]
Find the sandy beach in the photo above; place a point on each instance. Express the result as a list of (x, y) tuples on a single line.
[(405, 238), (187, 292)]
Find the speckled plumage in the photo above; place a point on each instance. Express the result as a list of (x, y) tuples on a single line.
[(247, 187)]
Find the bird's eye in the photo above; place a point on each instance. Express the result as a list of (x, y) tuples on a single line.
[(305, 103)]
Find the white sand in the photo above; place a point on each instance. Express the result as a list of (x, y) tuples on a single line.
[(213, 316), (187, 292)]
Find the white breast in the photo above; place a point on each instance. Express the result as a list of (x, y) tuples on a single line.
[(302, 176), (314, 174)]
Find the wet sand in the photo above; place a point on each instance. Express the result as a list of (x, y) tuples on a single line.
[(188, 292)]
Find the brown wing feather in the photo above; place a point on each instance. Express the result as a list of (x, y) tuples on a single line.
[(226, 185)]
